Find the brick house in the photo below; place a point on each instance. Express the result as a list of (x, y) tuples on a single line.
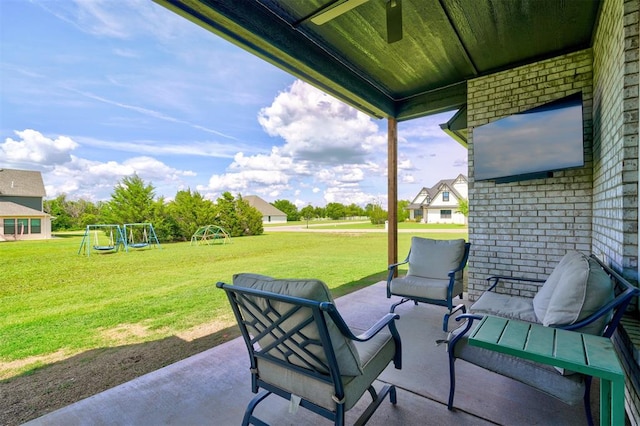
[(439, 204), (21, 208)]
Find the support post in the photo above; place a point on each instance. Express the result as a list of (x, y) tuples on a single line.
[(392, 190)]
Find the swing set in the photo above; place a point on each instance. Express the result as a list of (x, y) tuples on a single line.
[(140, 235), (106, 239)]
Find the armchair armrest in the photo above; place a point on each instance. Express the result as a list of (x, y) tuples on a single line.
[(377, 327), (388, 320), (392, 269)]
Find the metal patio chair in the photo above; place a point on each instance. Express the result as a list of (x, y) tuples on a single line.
[(301, 349), (435, 274)]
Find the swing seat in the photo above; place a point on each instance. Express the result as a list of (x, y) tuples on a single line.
[(139, 245), (103, 248)]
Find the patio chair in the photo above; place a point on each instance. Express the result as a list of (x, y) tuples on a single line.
[(301, 349), (435, 274), (581, 294)]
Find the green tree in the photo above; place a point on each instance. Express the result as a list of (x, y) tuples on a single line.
[(132, 201), (403, 211), (189, 211), (377, 215), (335, 211), (288, 208), (57, 208), (463, 206), (308, 213), (320, 212), (354, 210), (237, 217)]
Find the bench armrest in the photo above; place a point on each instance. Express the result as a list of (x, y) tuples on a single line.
[(495, 280)]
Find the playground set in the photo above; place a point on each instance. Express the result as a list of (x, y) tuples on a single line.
[(111, 238), (209, 234)]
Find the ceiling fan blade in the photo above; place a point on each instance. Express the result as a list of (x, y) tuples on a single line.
[(333, 10), (394, 21)]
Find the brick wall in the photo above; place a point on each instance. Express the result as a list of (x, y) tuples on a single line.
[(524, 228), (615, 125)]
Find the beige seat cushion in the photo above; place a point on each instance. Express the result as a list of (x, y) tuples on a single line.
[(376, 354), (345, 350), (430, 288), (506, 306)]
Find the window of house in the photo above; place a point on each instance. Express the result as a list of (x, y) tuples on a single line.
[(23, 226), (445, 196), (9, 226), (36, 226), (445, 214)]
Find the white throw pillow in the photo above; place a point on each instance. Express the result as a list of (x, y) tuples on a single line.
[(542, 297), (583, 288)]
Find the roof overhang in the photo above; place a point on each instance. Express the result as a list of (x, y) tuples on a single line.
[(444, 43)]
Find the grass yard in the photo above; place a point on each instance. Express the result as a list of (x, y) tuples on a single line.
[(56, 302), (72, 326)]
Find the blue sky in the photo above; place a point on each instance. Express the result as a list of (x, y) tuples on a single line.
[(93, 91)]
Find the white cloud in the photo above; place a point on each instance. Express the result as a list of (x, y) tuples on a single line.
[(317, 127), (33, 147)]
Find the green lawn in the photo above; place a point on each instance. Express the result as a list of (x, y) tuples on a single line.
[(53, 300)]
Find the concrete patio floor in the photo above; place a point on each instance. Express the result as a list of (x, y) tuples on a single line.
[(213, 387)]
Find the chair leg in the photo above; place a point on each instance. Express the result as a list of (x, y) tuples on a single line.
[(403, 300), (377, 400), (587, 399), (248, 414), (445, 321), (452, 378)]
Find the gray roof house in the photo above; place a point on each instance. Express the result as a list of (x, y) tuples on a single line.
[(439, 204), (270, 214), (21, 208)]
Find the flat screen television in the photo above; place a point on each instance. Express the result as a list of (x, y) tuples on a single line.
[(531, 144)]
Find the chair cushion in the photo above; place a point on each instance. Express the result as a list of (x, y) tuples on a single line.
[(376, 354), (583, 288), (434, 258), (312, 289), (542, 297), (503, 305), (428, 288)]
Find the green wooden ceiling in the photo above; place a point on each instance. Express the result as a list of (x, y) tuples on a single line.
[(445, 43)]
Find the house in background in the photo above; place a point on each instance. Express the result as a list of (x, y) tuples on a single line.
[(21, 208), (439, 204), (270, 214)]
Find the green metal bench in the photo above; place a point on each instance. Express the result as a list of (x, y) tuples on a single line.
[(507, 337), (582, 353)]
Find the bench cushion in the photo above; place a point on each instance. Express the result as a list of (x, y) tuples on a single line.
[(506, 306), (434, 258), (345, 351)]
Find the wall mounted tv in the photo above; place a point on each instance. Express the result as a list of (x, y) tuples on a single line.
[(531, 144)]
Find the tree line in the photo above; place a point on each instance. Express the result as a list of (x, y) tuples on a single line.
[(134, 201)]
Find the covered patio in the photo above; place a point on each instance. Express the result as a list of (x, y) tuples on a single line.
[(213, 387), (488, 59)]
